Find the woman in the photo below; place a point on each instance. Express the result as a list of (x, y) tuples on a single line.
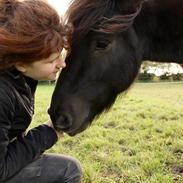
[(32, 37)]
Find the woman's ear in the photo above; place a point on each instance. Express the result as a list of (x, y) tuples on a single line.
[(21, 67)]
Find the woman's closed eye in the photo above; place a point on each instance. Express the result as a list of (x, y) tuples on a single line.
[(53, 60)]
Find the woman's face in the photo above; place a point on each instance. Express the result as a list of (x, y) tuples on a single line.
[(45, 69)]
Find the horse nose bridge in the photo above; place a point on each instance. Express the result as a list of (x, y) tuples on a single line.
[(77, 105)]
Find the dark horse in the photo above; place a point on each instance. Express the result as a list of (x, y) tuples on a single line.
[(111, 38)]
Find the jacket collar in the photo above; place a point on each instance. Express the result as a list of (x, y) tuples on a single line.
[(19, 81)]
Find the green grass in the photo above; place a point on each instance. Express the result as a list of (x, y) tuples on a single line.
[(140, 140)]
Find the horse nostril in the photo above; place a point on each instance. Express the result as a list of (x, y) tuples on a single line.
[(64, 122)]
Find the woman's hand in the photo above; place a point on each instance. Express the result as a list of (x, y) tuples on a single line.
[(60, 134)]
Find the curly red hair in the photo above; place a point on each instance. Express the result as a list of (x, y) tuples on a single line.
[(30, 30)]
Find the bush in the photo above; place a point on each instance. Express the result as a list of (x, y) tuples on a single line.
[(146, 76)]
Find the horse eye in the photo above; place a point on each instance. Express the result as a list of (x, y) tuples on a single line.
[(102, 44)]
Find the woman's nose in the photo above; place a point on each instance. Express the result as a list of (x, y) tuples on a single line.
[(61, 63)]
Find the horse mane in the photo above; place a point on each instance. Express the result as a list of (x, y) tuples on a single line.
[(87, 15)]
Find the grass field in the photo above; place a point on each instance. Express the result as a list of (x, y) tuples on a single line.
[(140, 140)]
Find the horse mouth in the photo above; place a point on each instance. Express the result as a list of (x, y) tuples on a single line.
[(72, 117), (69, 124)]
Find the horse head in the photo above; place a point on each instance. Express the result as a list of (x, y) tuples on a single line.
[(105, 59)]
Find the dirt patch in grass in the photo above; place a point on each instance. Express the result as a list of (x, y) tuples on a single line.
[(177, 169)]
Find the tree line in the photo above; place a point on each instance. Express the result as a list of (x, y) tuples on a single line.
[(153, 71)]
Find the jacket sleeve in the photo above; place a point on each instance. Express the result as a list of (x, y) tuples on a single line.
[(16, 154)]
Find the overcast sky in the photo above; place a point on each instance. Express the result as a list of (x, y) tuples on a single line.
[(60, 5)]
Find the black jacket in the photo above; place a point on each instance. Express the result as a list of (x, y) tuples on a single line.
[(18, 149)]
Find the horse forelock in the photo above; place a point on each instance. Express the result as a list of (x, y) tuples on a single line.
[(84, 15), (87, 15), (117, 23)]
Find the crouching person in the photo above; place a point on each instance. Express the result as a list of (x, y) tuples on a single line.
[(32, 37)]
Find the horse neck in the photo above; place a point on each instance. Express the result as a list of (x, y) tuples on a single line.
[(160, 29)]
